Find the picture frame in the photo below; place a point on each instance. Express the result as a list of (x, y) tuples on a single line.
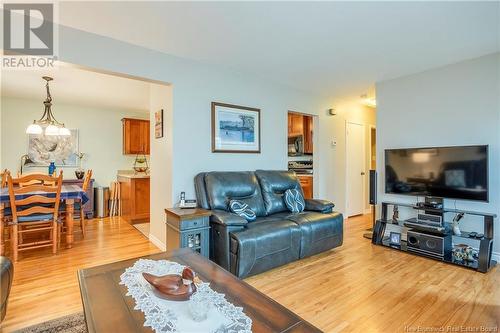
[(159, 124), (63, 151), (235, 129), (395, 239)]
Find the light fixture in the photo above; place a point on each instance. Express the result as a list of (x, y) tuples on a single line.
[(48, 123), (368, 101)]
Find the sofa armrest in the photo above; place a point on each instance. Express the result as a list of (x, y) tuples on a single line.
[(227, 218), (317, 205)]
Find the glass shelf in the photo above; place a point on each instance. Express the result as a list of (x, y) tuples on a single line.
[(447, 258)]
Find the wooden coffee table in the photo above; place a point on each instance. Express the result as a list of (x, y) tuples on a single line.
[(108, 309)]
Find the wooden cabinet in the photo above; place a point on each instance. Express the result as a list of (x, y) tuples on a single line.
[(134, 197), (307, 186), (135, 136), (308, 135), (188, 228), (295, 124), (300, 125)]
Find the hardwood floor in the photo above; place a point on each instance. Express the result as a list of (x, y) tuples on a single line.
[(355, 288), (46, 287), (360, 287)]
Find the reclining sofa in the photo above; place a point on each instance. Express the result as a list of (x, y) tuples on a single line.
[(277, 236)]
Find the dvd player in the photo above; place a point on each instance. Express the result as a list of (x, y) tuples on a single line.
[(427, 227)]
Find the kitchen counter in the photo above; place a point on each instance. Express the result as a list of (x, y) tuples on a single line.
[(132, 175), (134, 196)]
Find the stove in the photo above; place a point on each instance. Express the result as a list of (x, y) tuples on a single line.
[(301, 167)]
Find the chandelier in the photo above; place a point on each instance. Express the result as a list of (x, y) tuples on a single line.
[(48, 124)]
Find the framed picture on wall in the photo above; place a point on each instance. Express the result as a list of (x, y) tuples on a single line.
[(159, 124), (43, 149), (235, 129)]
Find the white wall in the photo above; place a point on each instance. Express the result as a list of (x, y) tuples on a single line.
[(100, 135), (332, 167), (161, 163), (194, 87), (453, 105)]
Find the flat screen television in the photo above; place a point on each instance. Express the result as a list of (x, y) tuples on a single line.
[(459, 172)]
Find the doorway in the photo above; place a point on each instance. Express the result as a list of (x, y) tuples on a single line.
[(355, 168), (301, 137)]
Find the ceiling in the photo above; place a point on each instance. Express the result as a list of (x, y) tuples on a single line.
[(330, 48), (72, 85)]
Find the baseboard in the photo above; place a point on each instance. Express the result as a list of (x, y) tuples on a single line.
[(158, 243)]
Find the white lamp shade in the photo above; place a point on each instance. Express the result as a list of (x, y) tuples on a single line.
[(52, 130), (34, 129), (63, 131)]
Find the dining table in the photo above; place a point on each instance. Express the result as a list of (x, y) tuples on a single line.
[(69, 194)]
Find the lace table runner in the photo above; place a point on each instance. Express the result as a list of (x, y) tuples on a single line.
[(165, 316)]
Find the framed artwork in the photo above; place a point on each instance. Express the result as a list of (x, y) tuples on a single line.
[(235, 129), (159, 124), (43, 149)]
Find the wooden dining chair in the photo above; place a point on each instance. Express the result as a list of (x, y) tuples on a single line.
[(5, 173), (79, 213), (34, 212), (7, 213), (34, 181)]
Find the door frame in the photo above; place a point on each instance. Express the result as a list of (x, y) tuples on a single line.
[(370, 129), (315, 156), (347, 122)]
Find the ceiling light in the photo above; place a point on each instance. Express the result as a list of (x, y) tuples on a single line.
[(63, 131), (34, 129), (48, 121), (368, 101), (51, 130)]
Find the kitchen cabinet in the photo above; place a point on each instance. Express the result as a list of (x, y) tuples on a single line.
[(134, 197), (306, 182), (135, 136), (295, 124), (300, 125), (308, 135)]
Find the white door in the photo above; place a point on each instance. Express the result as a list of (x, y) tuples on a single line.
[(355, 173)]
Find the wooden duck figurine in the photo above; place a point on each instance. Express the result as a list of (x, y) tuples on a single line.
[(173, 287)]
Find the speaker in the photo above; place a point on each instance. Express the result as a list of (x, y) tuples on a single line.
[(432, 245), (372, 200), (373, 187)]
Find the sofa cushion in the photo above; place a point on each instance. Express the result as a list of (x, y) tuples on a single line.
[(222, 187), (262, 246), (240, 208), (273, 185), (319, 231), (294, 201)]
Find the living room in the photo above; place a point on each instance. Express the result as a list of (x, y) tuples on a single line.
[(433, 70)]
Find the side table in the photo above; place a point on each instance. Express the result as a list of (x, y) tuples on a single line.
[(188, 228)]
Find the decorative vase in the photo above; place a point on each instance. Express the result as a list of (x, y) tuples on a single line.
[(79, 173), (52, 168), (456, 229)]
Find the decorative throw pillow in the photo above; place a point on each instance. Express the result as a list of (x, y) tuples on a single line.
[(240, 208), (294, 200)]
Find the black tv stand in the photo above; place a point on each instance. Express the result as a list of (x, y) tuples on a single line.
[(484, 262)]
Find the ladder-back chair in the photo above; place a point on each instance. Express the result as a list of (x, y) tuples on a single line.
[(35, 211)]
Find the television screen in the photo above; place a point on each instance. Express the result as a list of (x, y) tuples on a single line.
[(448, 172)]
